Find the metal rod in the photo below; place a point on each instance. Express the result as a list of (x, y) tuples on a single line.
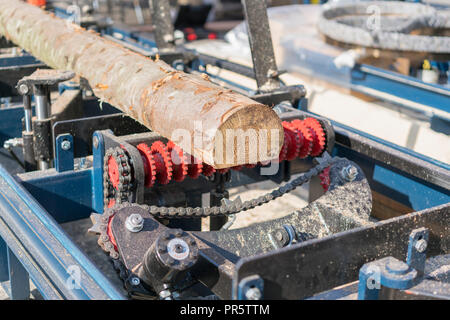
[(260, 40), (27, 113), (162, 24)]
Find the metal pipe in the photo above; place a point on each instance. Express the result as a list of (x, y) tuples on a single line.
[(27, 136), (162, 24), (27, 113), (42, 109), (163, 99), (41, 97)]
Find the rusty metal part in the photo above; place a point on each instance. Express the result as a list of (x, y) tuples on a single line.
[(149, 91)]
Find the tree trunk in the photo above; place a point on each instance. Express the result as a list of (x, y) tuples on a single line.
[(165, 100)]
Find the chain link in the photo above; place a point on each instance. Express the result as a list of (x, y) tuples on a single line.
[(121, 194), (233, 208)]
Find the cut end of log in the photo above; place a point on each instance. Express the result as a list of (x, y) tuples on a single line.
[(250, 135)]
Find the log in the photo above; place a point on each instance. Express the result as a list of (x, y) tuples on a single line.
[(199, 116)]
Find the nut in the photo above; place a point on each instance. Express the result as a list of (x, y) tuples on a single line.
[(23, 89), (66, 145), (253, 294), (349, 173), (134, 222), (135, 281), (421, 245)]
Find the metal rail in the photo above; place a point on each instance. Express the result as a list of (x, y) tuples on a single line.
[(58, 268)]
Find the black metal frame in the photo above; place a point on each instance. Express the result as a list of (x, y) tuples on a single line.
[(323, 264)]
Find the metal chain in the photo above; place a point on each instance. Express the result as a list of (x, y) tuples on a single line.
[(105, 243), (172, 212), (124, 188)]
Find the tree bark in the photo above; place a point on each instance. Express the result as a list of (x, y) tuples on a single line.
[(165, 100)]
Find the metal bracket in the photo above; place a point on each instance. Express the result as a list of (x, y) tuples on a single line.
[(64, 155), (392, 273)]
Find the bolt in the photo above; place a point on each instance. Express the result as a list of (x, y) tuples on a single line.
[(349, 173), (134, 222), (279, 235), (165, 294), (421, 245), (179, 249), (95, 142), (135, 281), (397, 267), (66, 145), (23, 88), (253, 294)]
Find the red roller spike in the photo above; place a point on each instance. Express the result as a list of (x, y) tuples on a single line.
[(293, 140), (149, 164), (223, 170), (318, 136), (195, 168), (306, 138), (163, 162), (325, 178), (284, 148), (208, 170), (179, 162), (110, 233)]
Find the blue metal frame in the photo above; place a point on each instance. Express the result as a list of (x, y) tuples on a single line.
[(365, 78), (10, 124), (24, 60), (392, 273), (398, 185), (46, 252), (53, 188), (97, 175)]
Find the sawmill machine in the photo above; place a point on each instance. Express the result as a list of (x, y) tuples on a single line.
[(376, 224)]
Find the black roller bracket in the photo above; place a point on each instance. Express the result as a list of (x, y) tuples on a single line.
[(43, 149), (167, 261), (39, 83)]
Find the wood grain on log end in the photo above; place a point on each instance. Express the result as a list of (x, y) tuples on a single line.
[(250, 135)]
